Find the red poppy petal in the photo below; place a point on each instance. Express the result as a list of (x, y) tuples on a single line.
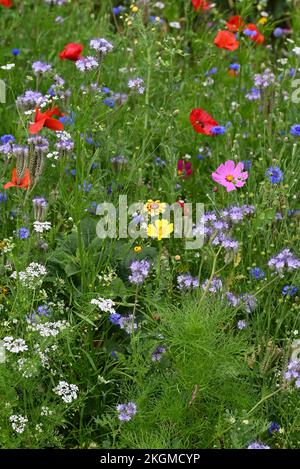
[(25, 181), (35, 127), (53, 124)]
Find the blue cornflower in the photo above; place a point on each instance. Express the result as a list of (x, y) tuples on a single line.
[(218, 130), (7, 138), (105, 90), (292, 72), (118, 10), (295, 130), (110, 102), (3, 197), (212, 71), (249, 32), (289, 290), (274, 174), (115, 318), (235, 66), (257, 273), (43, 310), (294, 213), (23, 233), (15, 52), (274, 427), (278, 32)]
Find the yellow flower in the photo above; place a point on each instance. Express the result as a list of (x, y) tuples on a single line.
[(262, 20), (154, 207), (137, 248), (134, 8), (160, 229)]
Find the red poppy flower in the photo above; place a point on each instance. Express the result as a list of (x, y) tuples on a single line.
[(71, 51), (184, 169), (226, 40), (202, 122), (200, 5), (258, 37), (45, 119), (24, 182), (235, 23), (6, 3)]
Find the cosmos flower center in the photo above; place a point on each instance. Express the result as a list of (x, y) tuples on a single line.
[(229, 178)]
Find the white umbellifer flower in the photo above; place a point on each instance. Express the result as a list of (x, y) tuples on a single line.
[(296, 50), (49, 329), (175, 24), (68, 392), (41, 226), (14, 345), (18, 423), (105, 305), (8, 66), (159, 5), (32, 277), (45, 411), (26, 368)]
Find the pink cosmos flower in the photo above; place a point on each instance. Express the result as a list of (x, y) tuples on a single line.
[(230, 176)]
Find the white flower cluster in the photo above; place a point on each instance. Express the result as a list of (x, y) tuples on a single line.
[(26, 368), (53, 154), (7, 66), (106, 277), (14, 345), (18, 423), (105, 305), (49, 329), (45, 411), (68, 392), (32, 277), (44, 354), (41, 226)]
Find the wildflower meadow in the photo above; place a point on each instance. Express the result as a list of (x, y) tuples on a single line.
[(149, 224)]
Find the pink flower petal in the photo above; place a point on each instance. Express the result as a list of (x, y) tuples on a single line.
[(229, 166), (230, 187)]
